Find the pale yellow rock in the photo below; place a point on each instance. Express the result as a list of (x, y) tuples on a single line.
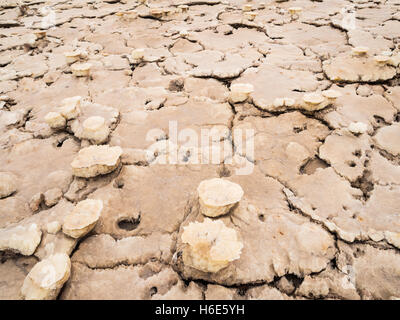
[(74, 56), (240, 92), (40, 34), (382, 59), (313, 98), (184, 8), (96, 160), (129, 15), (218, 196), (55, 120), (157, 13), (95, 129), (247, 7), (83, 218), (289, 102), (250, 15), (183, 33), (53, 227), (360, 51), (331, 94), (71, 107), (211, 245), (295, 10), (46, 278), (313, 102), (358, 127), (23, 239), (8, 184), (279, 102), (81, 69), (138, 54)]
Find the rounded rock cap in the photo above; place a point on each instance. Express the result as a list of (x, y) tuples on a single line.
[(85, 213), (242, 87), (331, 94), (313, 98), (94, 155), (382, 58), (93, 123), (51, 116), (51, 272), (212, 245), (360, 50), (219, 192)]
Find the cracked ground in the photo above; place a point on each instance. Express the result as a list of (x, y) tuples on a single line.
[(320, 215)]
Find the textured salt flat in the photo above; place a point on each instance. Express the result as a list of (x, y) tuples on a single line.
[(320, 212)]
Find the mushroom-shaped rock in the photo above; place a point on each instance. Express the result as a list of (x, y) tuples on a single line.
[(240, 92), (40, 34), (46, 278), (95, 129), (81, 69), (331, 94), (247, 7), (183, 33), (360, 51), (96, 160), (358, 127), (156, 13), (72, 57), (23, 239), (53, 227), (382, 59), (211, 245), (8, 184), (184, 8), (55, 120), (70, 108), (218, 196), (251, 15), (138, 54), (295, 11), (313, 102), (83, 218)]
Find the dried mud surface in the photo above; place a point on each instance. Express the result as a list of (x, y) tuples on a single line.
[(320, 215)]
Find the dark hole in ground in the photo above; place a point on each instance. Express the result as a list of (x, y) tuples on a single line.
[(129, 224), (352, 164), (357, 153), (118, 183), (153, 291)]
